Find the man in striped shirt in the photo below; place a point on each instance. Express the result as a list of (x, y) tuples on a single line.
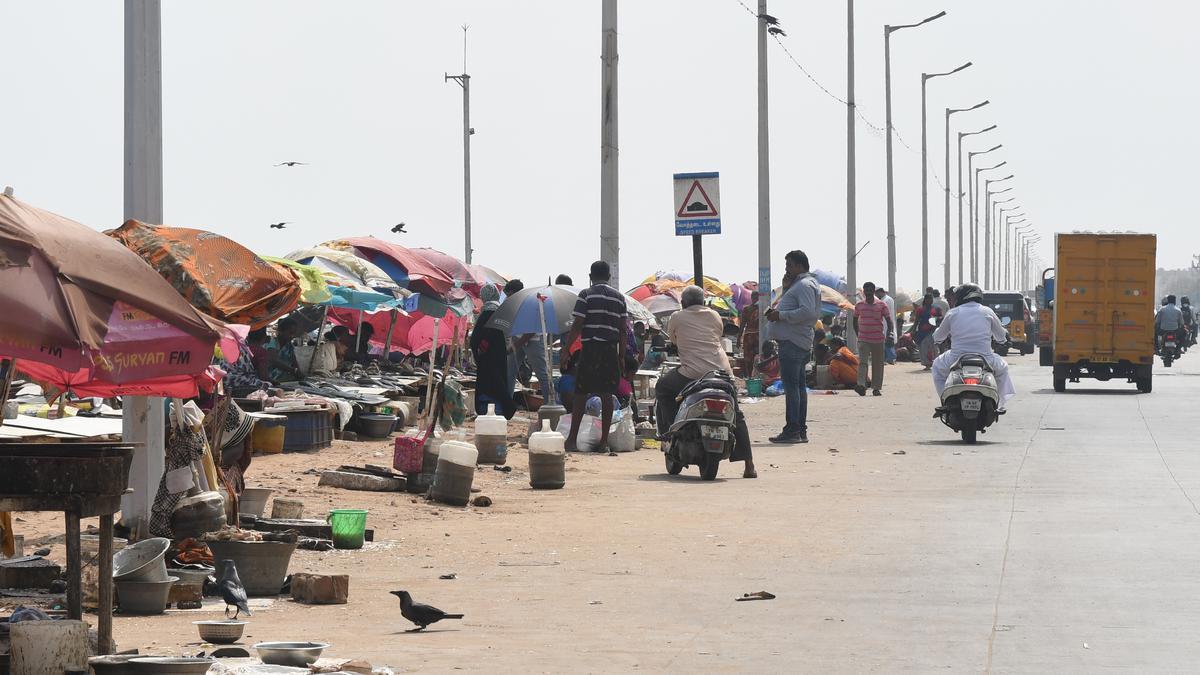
[(600, 319)]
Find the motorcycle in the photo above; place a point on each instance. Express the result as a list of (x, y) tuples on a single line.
[(703, 432), (971, 400), (1169, 351)]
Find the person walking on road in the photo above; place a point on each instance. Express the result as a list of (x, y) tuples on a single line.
[(791, 325), (600, 319), (925, 320), (873, 323), (748, 318)]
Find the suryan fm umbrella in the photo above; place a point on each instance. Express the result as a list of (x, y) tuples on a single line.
[(79, 309)]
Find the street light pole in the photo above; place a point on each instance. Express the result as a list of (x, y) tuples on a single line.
[(1012, 259), (887, 105), (946, 210), (971, 235), (851, 174), (764, 180), (464, 81), (973, 204), (998, 265), (925, 78), (610, 220), (987, 226)]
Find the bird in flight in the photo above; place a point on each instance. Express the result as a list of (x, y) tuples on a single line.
[(232, 591), (399, 229), (279, 226), (420, 614), (292, 164)]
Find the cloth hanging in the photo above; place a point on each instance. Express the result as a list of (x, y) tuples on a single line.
[(185, 444)]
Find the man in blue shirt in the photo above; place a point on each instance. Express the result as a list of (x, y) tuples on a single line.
[(601, 320), (792, 322)]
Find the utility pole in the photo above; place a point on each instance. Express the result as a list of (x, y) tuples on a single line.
[(143, 420), (464, 81), (764, 180), (851, 178), (610, 224)]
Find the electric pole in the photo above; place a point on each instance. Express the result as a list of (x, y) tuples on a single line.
[(764, 179), (464, 81), (610, 225)]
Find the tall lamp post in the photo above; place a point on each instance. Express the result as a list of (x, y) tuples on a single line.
[(1009, 221), (925, 78), (1002, 212), (987, 225), (973, 200), (1026, 258), (946, 212), (970, 236), (1015, 259), (887, 96)]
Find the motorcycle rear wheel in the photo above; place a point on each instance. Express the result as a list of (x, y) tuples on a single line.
[(709, 466), (673, 467), (969, 430)]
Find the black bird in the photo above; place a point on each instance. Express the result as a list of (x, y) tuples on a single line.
[(292, 164), (279, 226), (422, 615), (232, 591), (399, 229), (776, 30)]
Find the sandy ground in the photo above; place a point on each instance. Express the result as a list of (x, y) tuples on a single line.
[(891, 547)]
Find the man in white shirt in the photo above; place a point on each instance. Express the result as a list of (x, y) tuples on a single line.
[(971, 328)]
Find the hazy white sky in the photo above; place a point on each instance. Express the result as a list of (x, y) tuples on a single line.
[(1091, 97)]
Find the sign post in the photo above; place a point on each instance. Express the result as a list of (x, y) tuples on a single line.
[(697, 213)]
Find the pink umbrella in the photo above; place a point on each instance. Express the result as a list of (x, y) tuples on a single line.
[(420, 335), (404, 266), (463, 274)]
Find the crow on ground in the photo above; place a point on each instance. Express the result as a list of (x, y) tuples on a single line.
[(422, 615), (232, 591)]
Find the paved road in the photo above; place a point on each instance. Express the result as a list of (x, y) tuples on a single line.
[(1064, 541)]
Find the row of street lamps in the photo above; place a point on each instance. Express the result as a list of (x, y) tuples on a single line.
[(1001, 266)]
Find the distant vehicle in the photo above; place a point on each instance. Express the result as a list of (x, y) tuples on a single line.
[(1045, 332), (1012, 305), (1170, 350), (1104, 308)]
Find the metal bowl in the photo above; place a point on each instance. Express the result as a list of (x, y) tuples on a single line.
[(220, 632), (143, 561), (298, 654), (144, 597)]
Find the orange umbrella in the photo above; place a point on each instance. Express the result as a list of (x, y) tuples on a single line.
[(216, 275)]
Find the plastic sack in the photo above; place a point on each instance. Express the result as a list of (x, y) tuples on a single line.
[(775, 389), (312, 359), (622, 437)]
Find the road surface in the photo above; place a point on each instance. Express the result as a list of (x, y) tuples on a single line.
[(1064, 541)]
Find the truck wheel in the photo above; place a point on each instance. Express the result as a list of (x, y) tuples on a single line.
[(709, 466), (1046, 356), (1060, 379), (1145, 383)]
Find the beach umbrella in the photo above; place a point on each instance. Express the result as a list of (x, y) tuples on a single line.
[(216, 275), (639, 312), (464, 275), (421, 333), (665, 303), (519, 314), (347, 266), (77, 309), (489, 275), (405, 267)]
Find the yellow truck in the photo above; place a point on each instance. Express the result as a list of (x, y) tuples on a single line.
[(1104, 308)]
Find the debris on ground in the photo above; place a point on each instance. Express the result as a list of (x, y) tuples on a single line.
[(760, 595), (365, 482), (452, 575), (321, 589), (482, 501)]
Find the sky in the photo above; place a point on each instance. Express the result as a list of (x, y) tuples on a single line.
[(1090, 98)]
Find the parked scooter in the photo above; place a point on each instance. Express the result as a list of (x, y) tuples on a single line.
[(1170, 347), (971, 400), (703, 432)]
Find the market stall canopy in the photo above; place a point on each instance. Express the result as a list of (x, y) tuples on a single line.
[(216, 275), (401, 264), (314, 289), (490, 275), (345, 264), (420, 334), (464, 275), (677, 281), (79, 302)]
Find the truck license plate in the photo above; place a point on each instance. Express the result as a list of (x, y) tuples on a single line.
[(972, 404), (719, 433)]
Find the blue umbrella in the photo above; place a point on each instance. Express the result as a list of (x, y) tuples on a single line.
[(519, 314), (351, 298)]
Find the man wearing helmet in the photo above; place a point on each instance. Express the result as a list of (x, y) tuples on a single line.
[(971, 328), (1169, 318)]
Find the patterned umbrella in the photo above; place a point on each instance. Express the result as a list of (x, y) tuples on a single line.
[(401, 264), (216, 275)]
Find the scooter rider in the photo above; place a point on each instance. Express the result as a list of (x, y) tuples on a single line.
[(971, 327), (1168, 318), (696, 331)]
